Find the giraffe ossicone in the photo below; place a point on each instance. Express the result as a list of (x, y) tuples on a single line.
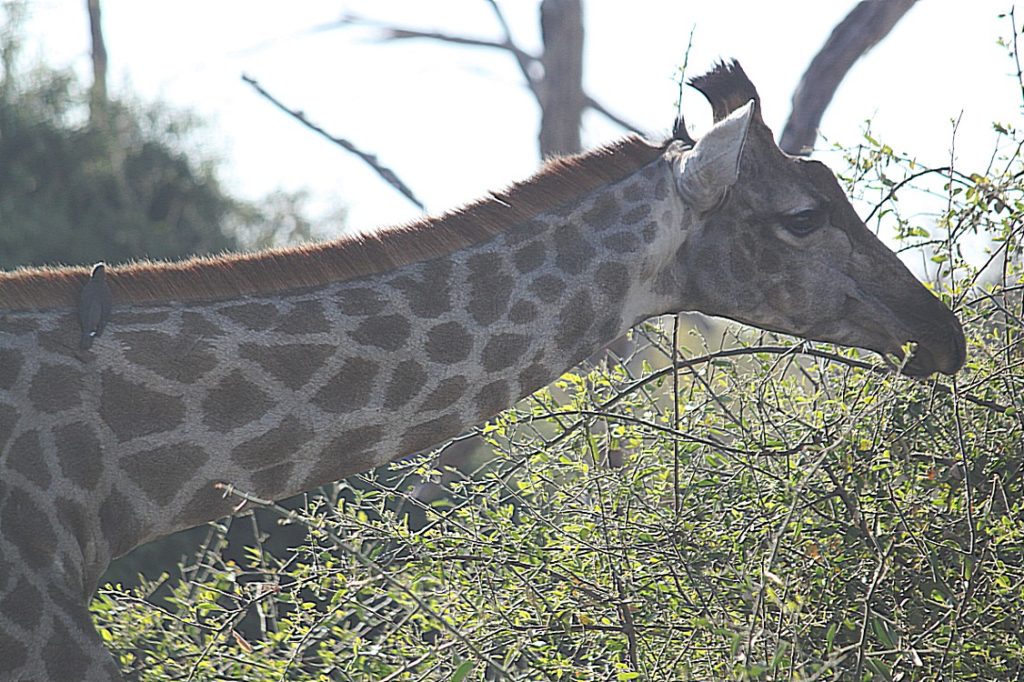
[(283, 370)]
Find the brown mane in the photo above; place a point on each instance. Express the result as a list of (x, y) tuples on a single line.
[(228, 276)]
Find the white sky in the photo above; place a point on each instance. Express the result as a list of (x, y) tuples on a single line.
[(455, 122)]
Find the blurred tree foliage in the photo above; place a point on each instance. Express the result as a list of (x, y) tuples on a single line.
[(76, 191)]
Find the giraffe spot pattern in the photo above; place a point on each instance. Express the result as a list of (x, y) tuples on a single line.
[(197, 326), (25, 525), (131, 410), (574, 321), (534, 377), (361, 301), (430, 432), (21, 605), (27, 458), (634, 192), (448, 343), (10, 367), (621, 242), (79, 455), (649, 172), (122, 318), (636, 214), (8, 418), (609, 329), (177, 357), (661, 189), (268, 448), (427, 296), (666, 283), (207, 503), (493, 398), (503, 350), (255, 316), (613, 281), (522, 312), (530, 257), (547, 288), (272, 482), (523, 232), (604, 214), (55, 388), (234, 401), (161, 472), (355, 442), (354, 450), (305, 317), (490, 288), (406, 382), (446, 393), (65, 660), (650, 232), (388, 332), (56, 340), (292, 364), (118, 524), (12, 653), (74, 518), (573, 251), (350, 388)]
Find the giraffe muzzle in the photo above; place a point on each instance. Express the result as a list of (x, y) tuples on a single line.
[(944, 352)]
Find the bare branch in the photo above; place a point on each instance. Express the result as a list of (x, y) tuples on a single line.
[(862, 29), (524, 59), (526, 62), (614, 118), (406, 34), (371, 160)]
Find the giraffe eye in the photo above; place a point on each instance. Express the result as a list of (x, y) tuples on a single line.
[(803, 222)]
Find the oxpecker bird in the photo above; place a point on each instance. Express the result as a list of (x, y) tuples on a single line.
[(94, 306)]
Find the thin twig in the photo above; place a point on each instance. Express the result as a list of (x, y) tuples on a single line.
[(526, 61), (388, 175), (294, 517), (614, 118)]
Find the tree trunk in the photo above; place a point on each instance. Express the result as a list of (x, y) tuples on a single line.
[(862, 29), (561, 96), (98, 93)]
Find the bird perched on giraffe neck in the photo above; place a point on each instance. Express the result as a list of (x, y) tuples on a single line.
[(94, 306)]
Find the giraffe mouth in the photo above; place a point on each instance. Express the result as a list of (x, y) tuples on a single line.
[(939, 355), (938, 338)]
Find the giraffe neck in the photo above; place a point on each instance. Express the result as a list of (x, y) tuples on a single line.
[(279, 394)]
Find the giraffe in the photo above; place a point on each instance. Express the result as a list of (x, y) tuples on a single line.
[(283, 370)]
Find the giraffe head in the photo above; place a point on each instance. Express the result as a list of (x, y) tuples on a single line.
[(776, 243)]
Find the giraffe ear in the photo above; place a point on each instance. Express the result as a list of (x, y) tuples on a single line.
[(706, 173)]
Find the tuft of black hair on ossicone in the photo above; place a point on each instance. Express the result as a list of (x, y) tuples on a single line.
[(679, 131), (726, 87)]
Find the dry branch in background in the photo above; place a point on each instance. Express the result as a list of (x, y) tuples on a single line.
[(554, 78), (388, 175), (862, 29)]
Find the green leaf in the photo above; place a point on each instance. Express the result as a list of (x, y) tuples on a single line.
[(461, 672)]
